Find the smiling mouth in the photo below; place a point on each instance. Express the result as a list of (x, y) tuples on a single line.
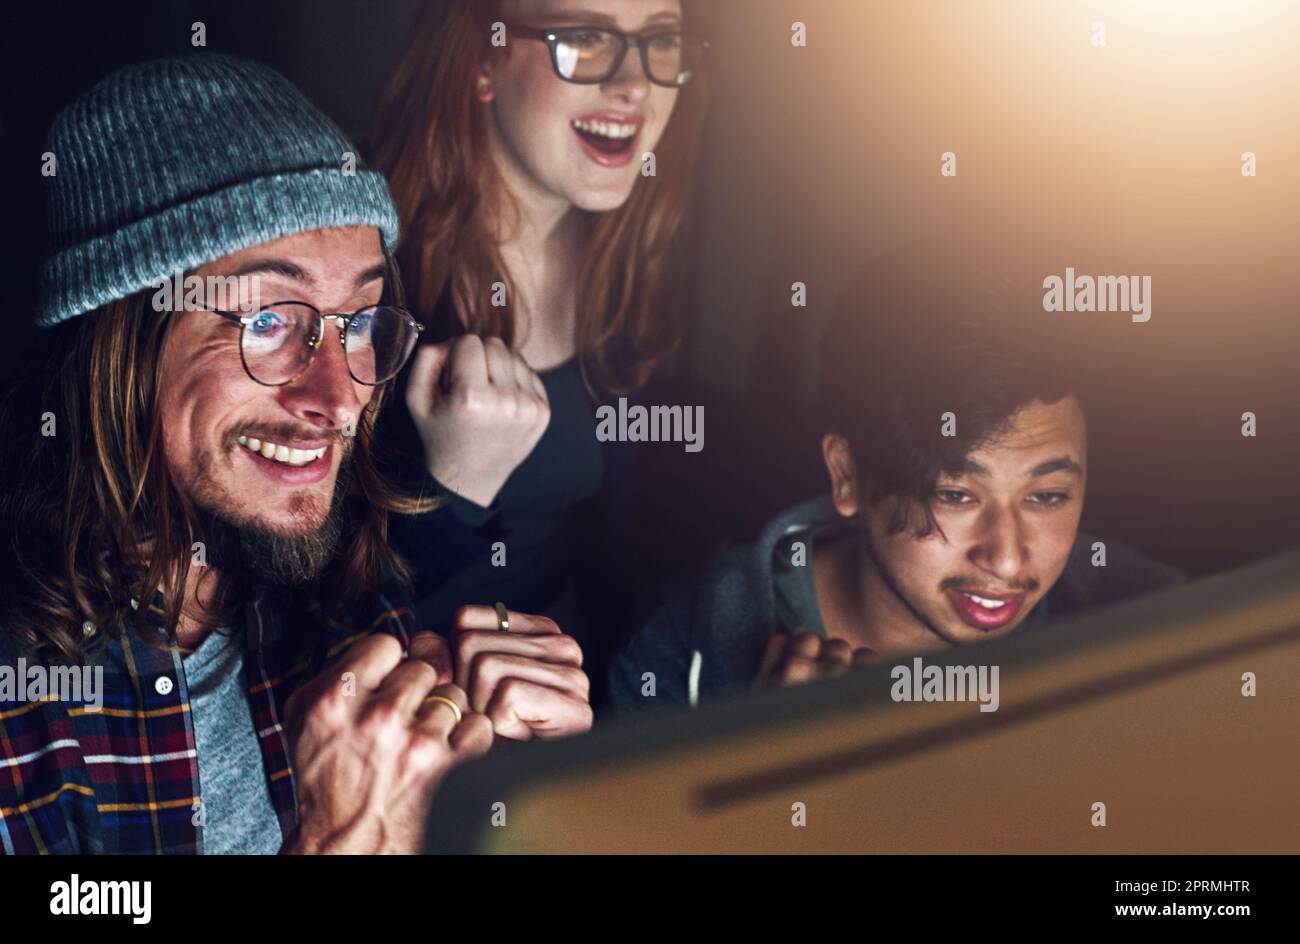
[(285, 455), (985, 611), (607, 142)]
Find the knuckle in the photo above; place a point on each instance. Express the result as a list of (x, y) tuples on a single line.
[(429, 645), (474, 736), (454, 692), (511, 691), (427, 752), (463, 613), (427, 674), (381, 647), (474, 400), (543, 626), (383, 722), (567, 649), (329, 710), (578, 680), (466, 646), (485, 669)]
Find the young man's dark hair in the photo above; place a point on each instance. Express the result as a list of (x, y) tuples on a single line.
[(956, 449), (921, 333)]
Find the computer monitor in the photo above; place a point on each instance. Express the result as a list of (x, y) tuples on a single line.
[(1166, 724)]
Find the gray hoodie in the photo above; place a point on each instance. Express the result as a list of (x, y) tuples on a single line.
[(711, 635)]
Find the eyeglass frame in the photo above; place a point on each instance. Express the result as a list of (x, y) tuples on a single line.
[(313, 346), (550, 37)]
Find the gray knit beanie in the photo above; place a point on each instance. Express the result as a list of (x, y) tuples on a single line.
[(174, 163)]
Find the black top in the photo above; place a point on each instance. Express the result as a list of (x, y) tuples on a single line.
[(563, 520), (531, 559)]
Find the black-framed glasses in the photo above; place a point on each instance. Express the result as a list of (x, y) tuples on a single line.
[(589, 55), (278, 342)]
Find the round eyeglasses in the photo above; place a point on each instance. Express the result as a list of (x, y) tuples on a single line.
[(278, 342), (591, 55)]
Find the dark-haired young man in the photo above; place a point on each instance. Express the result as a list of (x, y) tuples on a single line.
[(957, 456)]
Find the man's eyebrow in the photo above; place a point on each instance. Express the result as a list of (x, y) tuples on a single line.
[(281, 267), (971, 467), (379, 271), (1060, 464)]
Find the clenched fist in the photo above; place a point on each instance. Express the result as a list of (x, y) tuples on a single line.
[(479, 409), (371, 738), (789, 660), (527, 679)]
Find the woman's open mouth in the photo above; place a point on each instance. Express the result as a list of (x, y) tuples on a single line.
[(985, 611), (609, 140)]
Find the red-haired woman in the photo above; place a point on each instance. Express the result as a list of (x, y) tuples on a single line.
[(540, 154)]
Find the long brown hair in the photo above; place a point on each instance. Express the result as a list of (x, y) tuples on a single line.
[(429, 137), (92, 515)]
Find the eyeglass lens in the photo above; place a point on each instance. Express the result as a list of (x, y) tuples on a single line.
[(591, 55), (278, 342)]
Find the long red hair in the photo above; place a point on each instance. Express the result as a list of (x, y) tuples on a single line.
[(429, 137)]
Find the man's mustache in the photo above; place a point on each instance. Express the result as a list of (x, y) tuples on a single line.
[(969, 586), (286, 432)]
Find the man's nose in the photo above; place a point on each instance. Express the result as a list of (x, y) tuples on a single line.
[(325, 395), (1000, 546)]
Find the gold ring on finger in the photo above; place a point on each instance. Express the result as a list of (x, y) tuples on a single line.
[(444, 700)]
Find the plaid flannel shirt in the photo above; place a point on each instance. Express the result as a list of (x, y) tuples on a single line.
[(125, 778)]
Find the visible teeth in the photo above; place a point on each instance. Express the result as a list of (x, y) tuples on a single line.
[(987, 603), (607, 129), (280, 453)]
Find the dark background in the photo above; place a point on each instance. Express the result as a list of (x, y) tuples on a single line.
[(1119, 159)]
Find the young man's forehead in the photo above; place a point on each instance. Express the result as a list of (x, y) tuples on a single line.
[(350, 254), (1040, 438)]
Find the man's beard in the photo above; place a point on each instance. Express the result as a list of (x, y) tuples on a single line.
[(249, 555)]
